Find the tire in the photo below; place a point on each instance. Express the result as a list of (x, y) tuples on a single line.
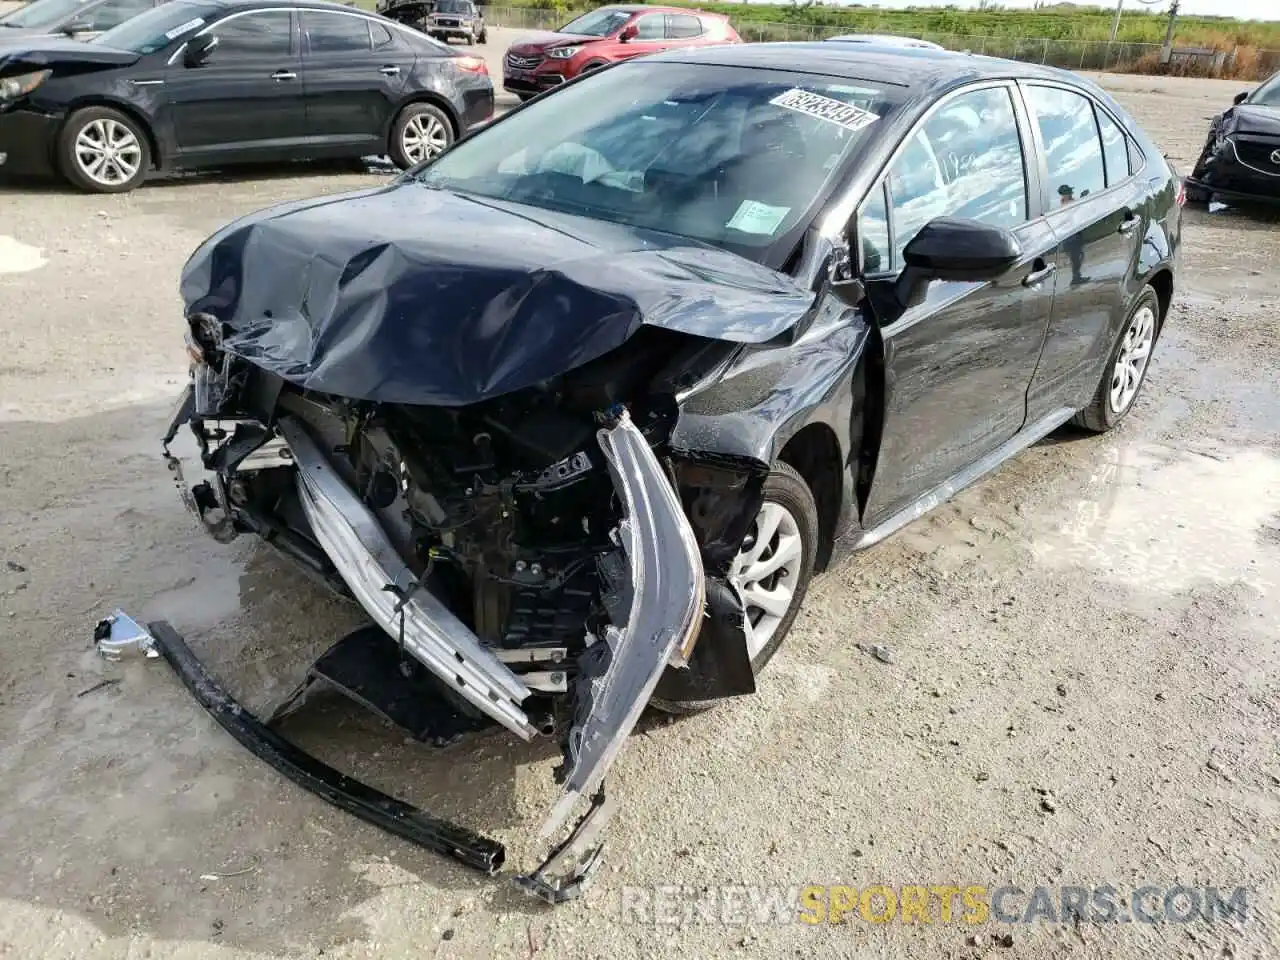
[(126, 166), (783, 488), (471, 39), (1141, 324), (525, 97), (430, 123), (1196, 195), (484, 37)]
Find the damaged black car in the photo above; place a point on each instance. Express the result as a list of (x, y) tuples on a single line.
[(576, 410), (1240, 161)]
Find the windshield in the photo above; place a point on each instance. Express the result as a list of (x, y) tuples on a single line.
[(727, 155), (1267, 95), (158, 27), (597, 23), (43, 13)]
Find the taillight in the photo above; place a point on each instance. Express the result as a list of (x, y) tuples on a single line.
[(472, 64), (1181, 196)]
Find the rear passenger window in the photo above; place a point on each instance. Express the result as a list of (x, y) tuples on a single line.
[(381, 35), (1115, 149), (336, 32), (964, 161), (681, 26), (1073, 150)]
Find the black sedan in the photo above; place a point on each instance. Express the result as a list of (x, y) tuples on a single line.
[(676, 334), (207, 83), (1241, 159), (80, 19)]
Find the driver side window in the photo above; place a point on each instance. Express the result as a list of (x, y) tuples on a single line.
[(965, 160), (254, 35), (652, 26)]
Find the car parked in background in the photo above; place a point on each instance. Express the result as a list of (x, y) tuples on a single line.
[(457, 20), (886, 40), (206, 83), (79, 19), (1241, 159), (607, 35)]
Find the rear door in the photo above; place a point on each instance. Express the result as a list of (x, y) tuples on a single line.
[(651, 36), (958, 360), (1098, 212), (683, 30), (245, 101), (354, 73)]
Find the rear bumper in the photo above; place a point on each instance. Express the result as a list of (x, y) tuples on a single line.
[(27, 140)]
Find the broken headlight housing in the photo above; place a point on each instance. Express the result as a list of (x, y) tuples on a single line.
[(11, 88)]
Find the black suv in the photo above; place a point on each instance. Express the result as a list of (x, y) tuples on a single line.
[(457, 18)]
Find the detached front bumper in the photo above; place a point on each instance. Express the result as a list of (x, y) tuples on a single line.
[(665, 604)]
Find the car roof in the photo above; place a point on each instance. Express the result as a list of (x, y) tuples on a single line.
[(919, 69), (649, 8), (304, 4)]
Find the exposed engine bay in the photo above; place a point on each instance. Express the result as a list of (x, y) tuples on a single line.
[(530, 556)]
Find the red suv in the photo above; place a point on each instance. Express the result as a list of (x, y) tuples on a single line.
[(606, 35)]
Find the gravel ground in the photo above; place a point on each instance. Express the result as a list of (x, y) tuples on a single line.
[(1082, 687)]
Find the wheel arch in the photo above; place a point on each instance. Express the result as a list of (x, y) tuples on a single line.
[(1162, 282), (158, 157), (433, 99)]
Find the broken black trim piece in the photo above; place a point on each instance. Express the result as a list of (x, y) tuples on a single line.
[(371, 805)]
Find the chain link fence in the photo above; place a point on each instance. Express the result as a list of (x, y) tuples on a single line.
[(1097, 55)]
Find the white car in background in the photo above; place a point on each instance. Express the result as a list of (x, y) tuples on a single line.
[(885, 40)]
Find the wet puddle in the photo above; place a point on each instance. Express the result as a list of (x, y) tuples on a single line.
[(1166, 518)]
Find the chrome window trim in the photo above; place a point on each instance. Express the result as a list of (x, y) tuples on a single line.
[(384, 21)]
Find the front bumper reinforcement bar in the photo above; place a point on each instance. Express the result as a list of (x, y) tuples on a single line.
[(374, 806)]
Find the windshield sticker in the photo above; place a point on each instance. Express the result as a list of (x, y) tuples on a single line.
[(189, 25), (759, 218), (824, 108)]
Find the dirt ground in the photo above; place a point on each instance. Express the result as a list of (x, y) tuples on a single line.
[(1083, 686)]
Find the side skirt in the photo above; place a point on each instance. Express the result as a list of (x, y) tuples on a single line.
[(940, 494)]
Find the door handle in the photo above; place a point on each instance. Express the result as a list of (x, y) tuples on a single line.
[(1036, 276), (284, 75), (1129, 224), (389, 71)]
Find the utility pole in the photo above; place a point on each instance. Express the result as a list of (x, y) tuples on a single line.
[(1115, 23), (1166, 53)]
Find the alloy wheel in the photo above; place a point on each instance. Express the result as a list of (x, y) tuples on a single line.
[(424, 137), (1131, 361), (767, 571), (108, 152)]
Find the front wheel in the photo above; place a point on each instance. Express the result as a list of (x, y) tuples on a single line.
[(103, 150), (1126, 368), (421, 132), (484, 37), (772, 570)]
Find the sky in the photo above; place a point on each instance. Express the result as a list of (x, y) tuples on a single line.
[(1245, 9)]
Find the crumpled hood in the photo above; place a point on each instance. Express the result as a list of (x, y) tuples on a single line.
[(1250, 118), (539, 42), (405, 294), (42, 50)]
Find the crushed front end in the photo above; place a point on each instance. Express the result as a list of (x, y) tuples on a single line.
[(532, 552)]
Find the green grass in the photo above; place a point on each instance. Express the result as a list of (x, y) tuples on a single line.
[(1064, 22)]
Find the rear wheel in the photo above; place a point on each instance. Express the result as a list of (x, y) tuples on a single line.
[(103, 150), (772, 570), (484, 37), (420, 132), (1126, 368)]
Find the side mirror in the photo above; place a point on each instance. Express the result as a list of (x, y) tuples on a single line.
[(199, 50), (629, 33), (948, 248), (1241, 98), (78, 25)]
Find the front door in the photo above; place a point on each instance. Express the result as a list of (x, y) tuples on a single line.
[(354, 71), (958, 360), (245, 100), (1098, 211), (651, 37)]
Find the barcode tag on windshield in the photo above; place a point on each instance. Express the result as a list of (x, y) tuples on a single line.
[(759, 218), (824, 108), (179, 31)]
